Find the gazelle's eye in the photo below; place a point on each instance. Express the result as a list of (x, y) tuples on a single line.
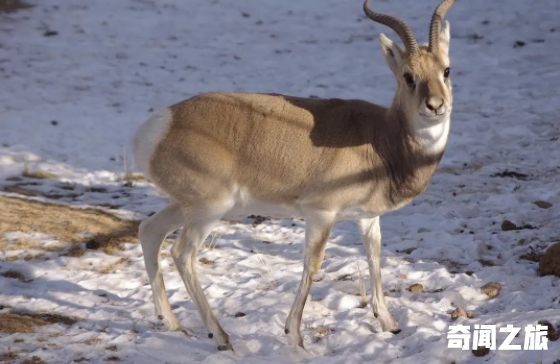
[(446, 72), (409, 79)]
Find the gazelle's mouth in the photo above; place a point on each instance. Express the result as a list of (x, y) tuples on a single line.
[(435, 115)]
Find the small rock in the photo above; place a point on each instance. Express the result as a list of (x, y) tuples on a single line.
[(401, 276), (93, 244), (491, 289), (50, 33), (543, 204), (54, 122), (459, 312), (549, 262), (518, 43), (239, 314), (417, 288), (551, 333), (481, 351), (508, 226)]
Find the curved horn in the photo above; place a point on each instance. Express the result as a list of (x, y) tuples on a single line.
[(396, 24), (435, 25)]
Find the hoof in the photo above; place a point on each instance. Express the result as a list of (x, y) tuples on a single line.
[(396, 332), (171, 322), (225, 347)]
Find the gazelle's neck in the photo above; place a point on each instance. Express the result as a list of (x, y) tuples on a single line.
[(425, 137), (412, 151), (431, 137)]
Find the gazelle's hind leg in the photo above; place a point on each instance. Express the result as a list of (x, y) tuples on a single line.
[(153, 231), (197, 226)]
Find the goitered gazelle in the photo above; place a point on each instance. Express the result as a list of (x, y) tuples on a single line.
[(227, 155)]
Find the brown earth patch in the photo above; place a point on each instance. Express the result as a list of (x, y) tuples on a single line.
[(10, 6)]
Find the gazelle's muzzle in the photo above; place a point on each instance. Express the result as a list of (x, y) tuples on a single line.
[(433, 106)]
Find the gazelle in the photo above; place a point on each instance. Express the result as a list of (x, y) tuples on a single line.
[(228, 155)]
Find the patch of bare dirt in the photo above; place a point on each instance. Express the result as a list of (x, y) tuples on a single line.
[(10, 6), (34, 360), (66, 223), (18, 322), (13, 274)]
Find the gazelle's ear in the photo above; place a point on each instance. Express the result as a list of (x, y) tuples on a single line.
[(444, 37), (393, 53)]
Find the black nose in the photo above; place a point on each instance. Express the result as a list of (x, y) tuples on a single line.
[(434, 103)]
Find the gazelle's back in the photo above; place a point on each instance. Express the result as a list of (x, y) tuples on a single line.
[(272, 145)]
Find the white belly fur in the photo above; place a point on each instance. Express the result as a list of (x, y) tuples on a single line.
[(245, 205)]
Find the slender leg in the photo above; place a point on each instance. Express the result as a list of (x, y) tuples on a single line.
[(370, 232), (152, 232), (198, 226), (318, 226)]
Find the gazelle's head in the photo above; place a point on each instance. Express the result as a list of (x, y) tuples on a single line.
[(422, 72)]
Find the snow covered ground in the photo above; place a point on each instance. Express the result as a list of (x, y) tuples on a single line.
[(78, 77)]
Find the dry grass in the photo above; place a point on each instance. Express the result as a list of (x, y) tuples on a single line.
[(29, 257), (92, 341), (38, 174), (323, 331), (34, 360), (65, 223), (133, 177), (267, 276), (10, 355), (206, 261), (214, 240), (19, 322), (361, 286), (111, 267)]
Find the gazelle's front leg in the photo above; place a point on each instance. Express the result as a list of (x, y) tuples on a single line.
[(370, 232), (318, 226)]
